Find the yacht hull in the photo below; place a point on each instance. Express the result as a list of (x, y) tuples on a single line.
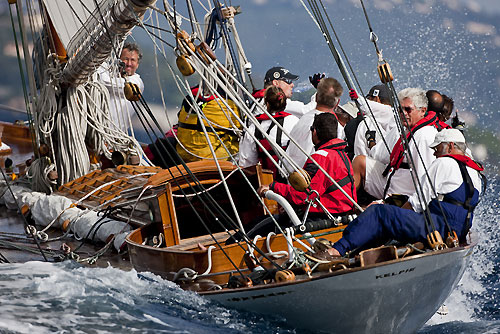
[(398, 296)]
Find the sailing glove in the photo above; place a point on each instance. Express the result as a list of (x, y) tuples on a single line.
[(370, 136), (456, 123), (316, 78), (353, 94)]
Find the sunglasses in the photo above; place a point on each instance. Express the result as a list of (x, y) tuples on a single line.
[(408, 109), (436, 148), (288, 81), (311, 128)]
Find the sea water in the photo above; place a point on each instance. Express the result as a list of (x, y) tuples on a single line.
[(39, 297)]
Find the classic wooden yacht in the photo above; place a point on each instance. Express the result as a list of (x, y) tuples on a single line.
[(185, 223)]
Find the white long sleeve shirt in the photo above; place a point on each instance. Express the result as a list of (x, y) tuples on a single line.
[(119, 107), (248, 154), (384, 118), (401, 181), (446, 177)]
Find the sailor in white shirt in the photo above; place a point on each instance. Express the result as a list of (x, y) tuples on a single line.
[(327, 97), (120, 108), (378, 111), (249, 153), (457, 183), (384, 173)]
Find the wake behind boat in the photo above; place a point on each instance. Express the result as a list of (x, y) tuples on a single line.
[(188, 223)]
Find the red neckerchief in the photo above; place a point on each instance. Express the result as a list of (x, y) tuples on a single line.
[(398, 150), (466, 160), (259, 94), (279, 114), (194, 91)]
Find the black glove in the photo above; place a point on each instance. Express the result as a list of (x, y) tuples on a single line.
[(456, 123), (370, 136), (316, 78), (121, 68)]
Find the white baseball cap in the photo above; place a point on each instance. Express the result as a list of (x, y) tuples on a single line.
[(448, 136), (350, 108)]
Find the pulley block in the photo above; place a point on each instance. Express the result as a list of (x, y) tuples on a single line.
[(205, 53), (299, 180), (284, 276), (131, 91), (184, 66), (184, 40), (306, 268), (436, 241), (452, 240), (385, 73)]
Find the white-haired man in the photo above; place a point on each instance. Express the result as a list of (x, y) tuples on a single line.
[(452, 192), (383, 172)]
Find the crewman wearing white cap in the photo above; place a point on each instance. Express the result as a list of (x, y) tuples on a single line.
[(457, 184)]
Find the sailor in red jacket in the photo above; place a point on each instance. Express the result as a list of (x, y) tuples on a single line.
[(331, 157)]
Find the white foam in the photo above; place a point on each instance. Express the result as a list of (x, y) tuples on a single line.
[(467, 298)]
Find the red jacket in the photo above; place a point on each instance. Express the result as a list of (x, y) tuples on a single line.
[(332, 158)]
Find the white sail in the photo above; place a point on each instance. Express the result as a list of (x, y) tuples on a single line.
[(68, 17)]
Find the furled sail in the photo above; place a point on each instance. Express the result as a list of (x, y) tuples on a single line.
[(89, 34)]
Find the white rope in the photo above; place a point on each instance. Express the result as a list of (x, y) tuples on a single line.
[(288, 236), (277, 254), (209, 269), (251, 248), (37, 173), (205, 190)]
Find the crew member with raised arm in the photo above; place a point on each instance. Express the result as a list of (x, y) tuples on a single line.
[(281, 77)]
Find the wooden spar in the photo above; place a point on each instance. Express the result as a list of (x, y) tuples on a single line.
[(62, 55), (169, 219)]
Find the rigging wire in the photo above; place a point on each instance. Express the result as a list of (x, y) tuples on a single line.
[(158, 28), (374, 39), (363, 96), (317, 17)]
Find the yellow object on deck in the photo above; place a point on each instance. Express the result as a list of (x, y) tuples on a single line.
[(190, 132)]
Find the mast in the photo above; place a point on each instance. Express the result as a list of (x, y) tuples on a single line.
[(89, 51)]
